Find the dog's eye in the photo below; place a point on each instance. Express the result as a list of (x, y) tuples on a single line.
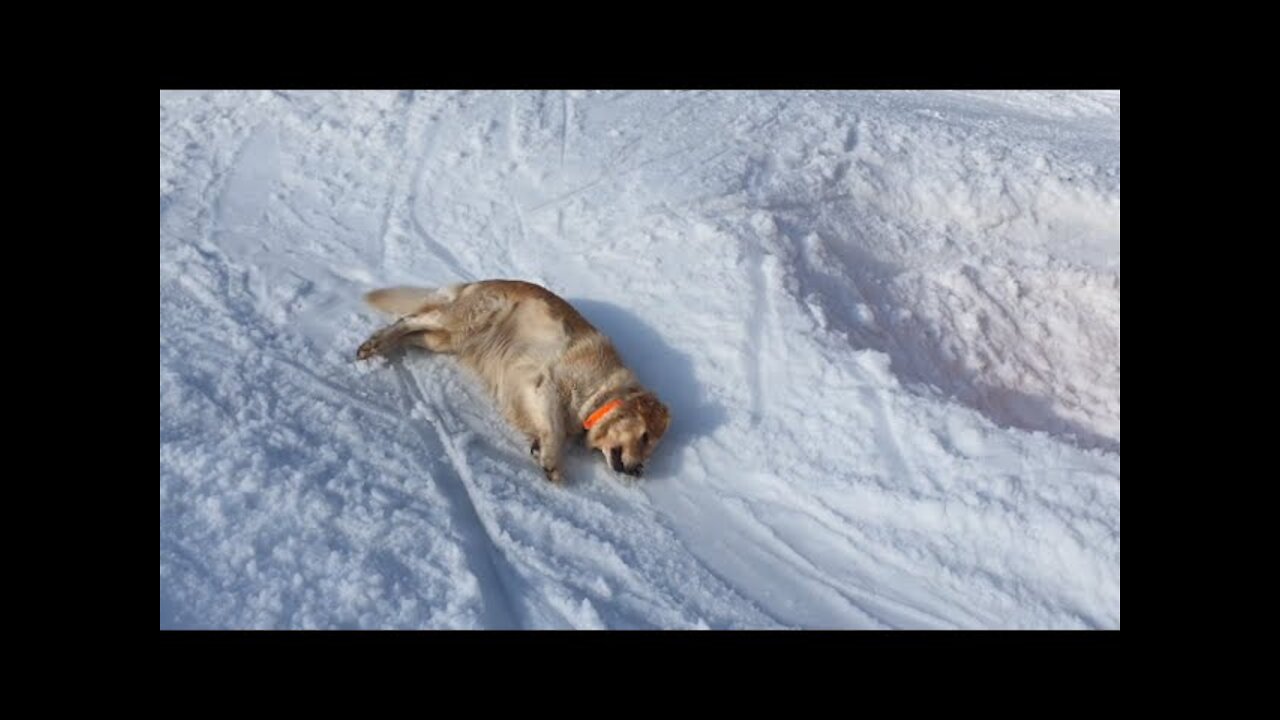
[(644, 439)]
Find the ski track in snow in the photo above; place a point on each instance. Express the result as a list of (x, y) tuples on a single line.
[(887, 325)]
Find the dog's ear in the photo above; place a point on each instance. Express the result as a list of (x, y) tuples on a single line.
[(656, 415)]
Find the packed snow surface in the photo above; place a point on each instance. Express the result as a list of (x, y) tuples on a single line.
[(887, 325)]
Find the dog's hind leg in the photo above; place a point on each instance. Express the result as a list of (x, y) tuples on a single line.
[(438, 341), (387, 338), (424, 320)]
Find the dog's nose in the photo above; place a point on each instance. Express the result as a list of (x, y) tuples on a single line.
[(635, 471)]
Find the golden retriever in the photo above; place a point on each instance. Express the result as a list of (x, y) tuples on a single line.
[(552, 373)]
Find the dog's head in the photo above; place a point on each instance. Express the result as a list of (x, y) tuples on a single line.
[(628, 434)]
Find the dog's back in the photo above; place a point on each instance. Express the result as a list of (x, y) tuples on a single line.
[(507, 329), (493, 313)]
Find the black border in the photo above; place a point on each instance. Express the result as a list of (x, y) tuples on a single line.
[(995, 665), (970, 49)]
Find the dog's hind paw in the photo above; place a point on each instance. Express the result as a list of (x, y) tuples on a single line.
[(367, 349)]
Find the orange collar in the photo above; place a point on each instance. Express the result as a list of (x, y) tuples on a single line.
[(598, 415)]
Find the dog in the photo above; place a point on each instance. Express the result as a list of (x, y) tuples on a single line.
[(553, 374)]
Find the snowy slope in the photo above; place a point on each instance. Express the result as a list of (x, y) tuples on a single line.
[(887, 325)]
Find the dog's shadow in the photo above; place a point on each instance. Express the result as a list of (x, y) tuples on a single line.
[(664, 370)]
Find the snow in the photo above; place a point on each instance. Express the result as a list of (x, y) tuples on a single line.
[(887, 325)]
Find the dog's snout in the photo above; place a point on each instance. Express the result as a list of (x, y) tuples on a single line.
[(619, 466)]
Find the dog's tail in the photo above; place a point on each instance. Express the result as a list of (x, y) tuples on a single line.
[(401, 300)]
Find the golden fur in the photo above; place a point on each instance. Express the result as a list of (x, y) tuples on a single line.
[(547, 367)]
